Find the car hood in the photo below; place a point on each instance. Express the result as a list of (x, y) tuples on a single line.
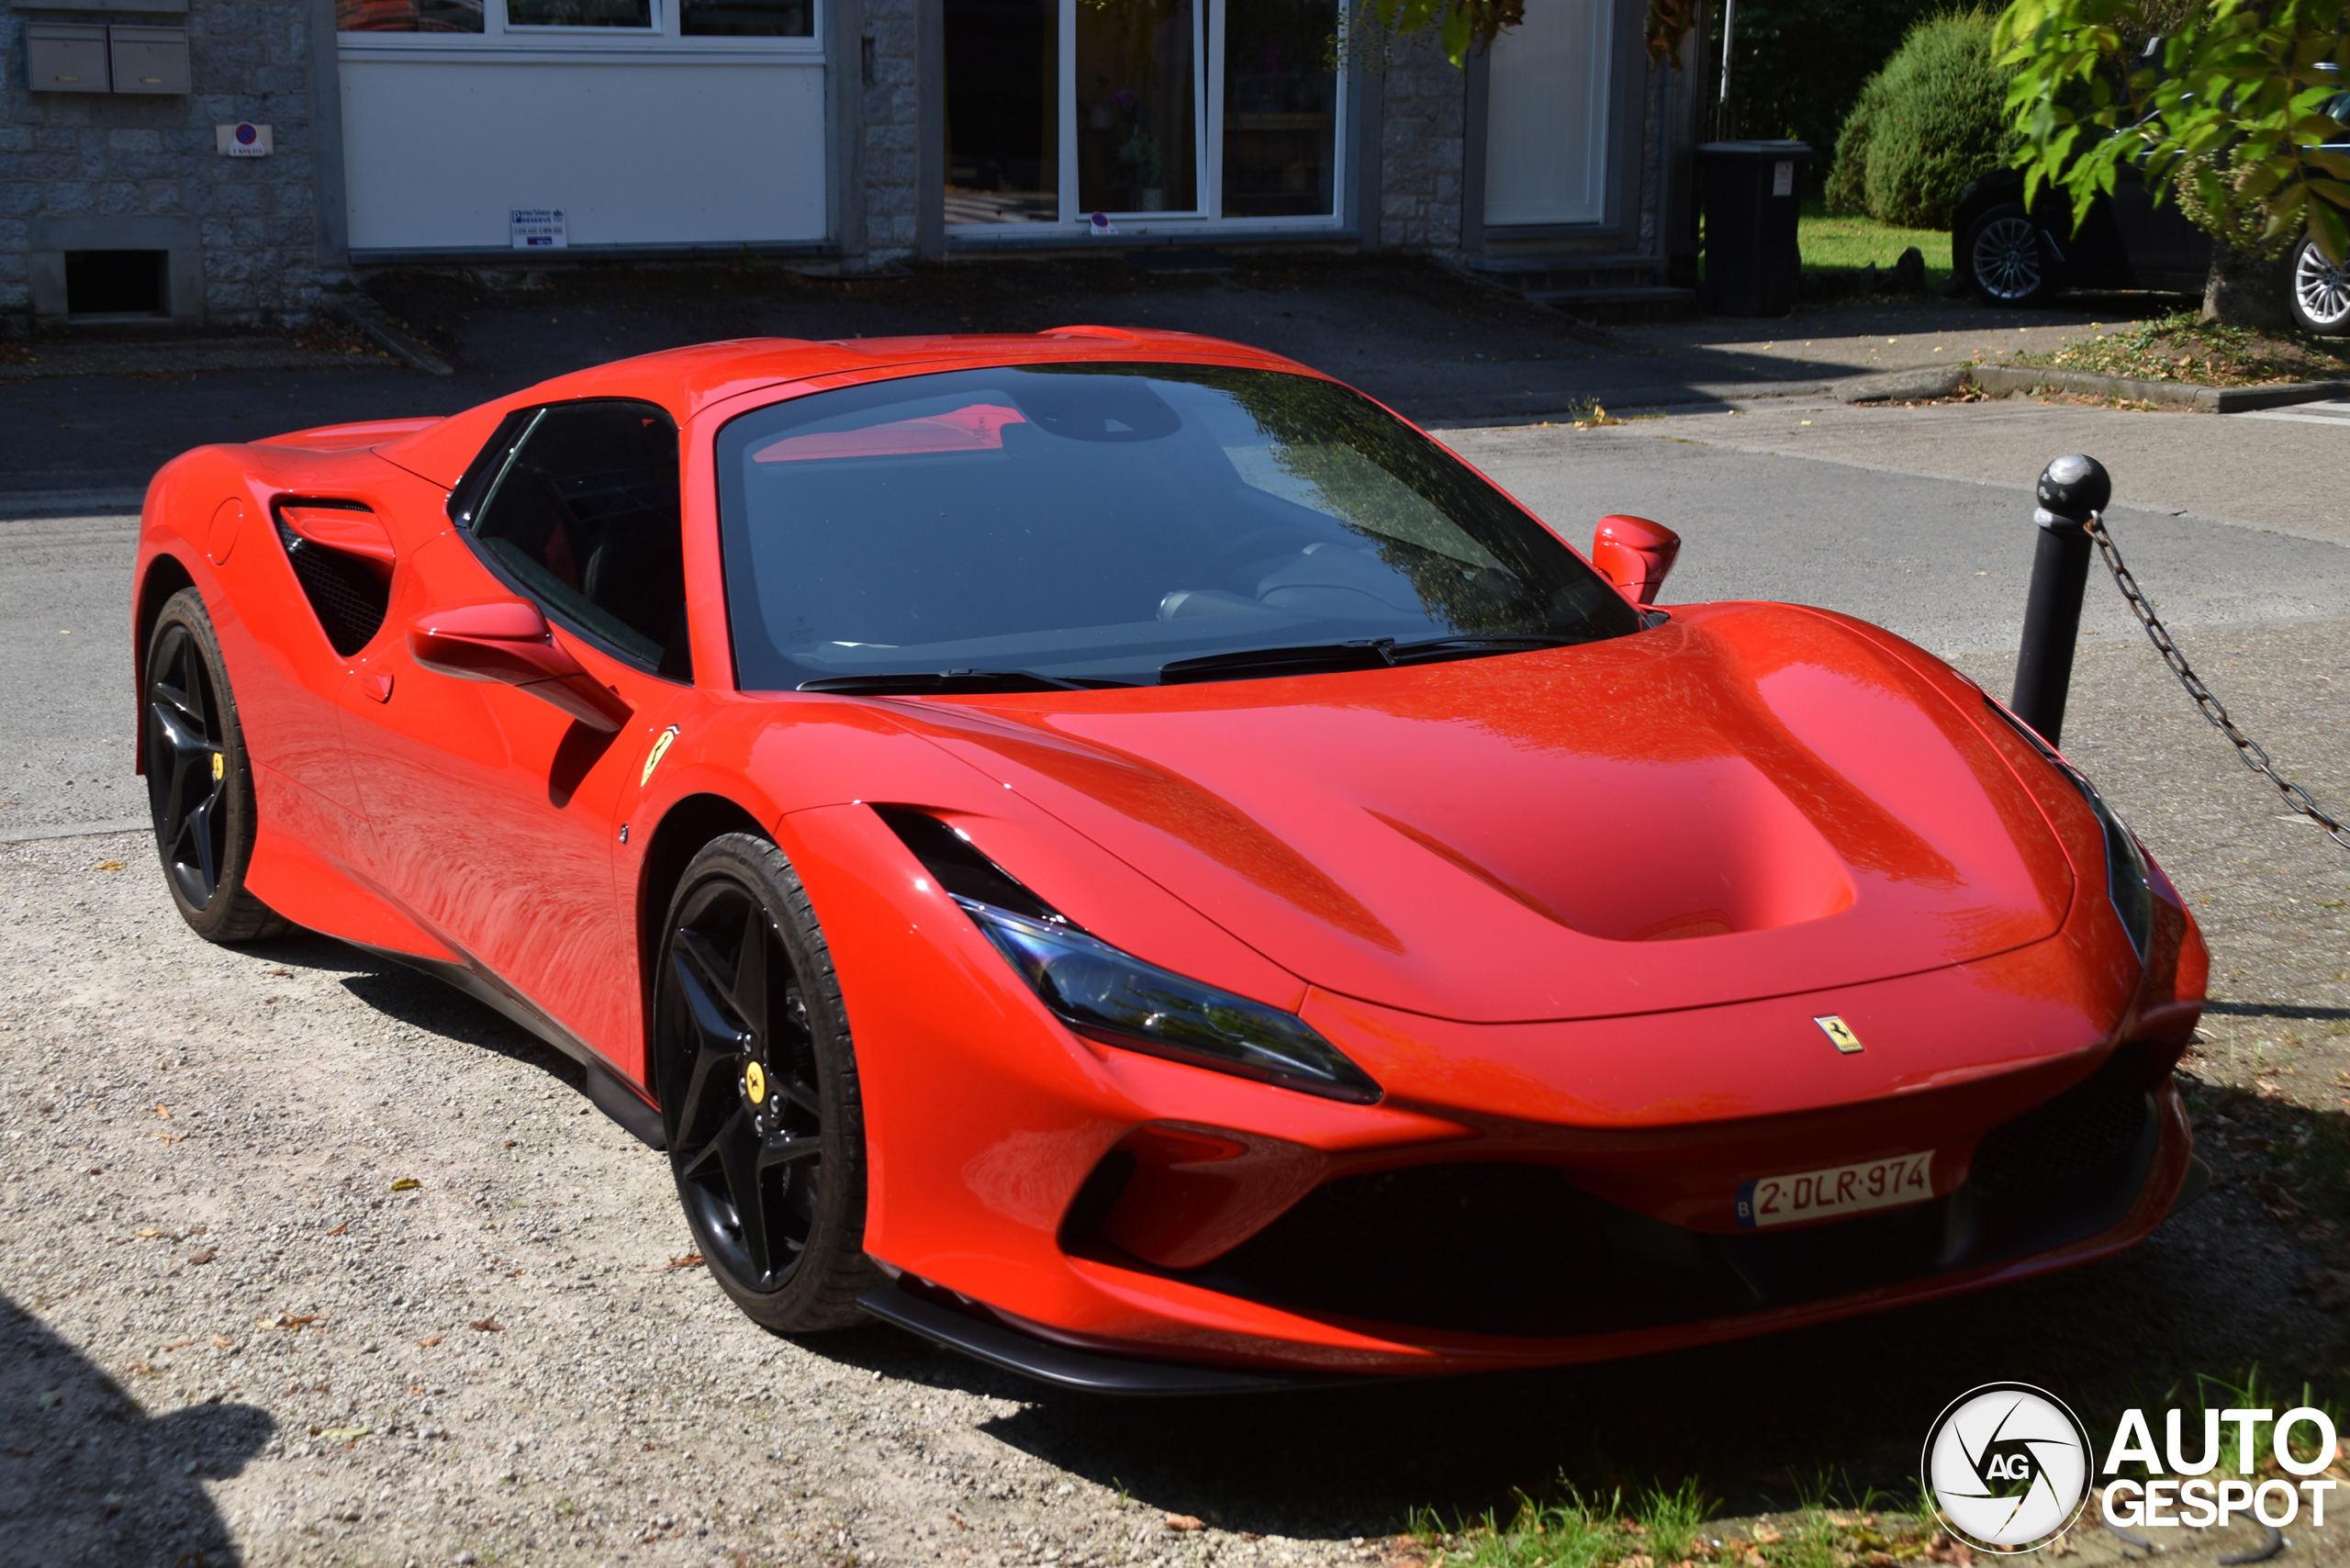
[(1748, 800)]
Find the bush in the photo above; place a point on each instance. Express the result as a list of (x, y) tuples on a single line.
[(1795, 65), (1929, 122)]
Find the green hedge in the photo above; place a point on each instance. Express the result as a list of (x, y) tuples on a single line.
[(1932, 119)]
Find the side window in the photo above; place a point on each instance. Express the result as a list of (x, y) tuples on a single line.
[(580, 508)]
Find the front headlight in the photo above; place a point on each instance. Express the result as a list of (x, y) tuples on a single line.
[(2127, 882), (1119, 999)]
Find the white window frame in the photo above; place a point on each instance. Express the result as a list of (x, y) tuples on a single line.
[(1207, 43), (664, 40)]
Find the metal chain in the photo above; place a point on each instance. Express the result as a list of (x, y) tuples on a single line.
[(2248, 749)]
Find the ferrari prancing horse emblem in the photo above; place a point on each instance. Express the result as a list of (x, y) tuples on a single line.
[(1839, 1034), (653, 758)]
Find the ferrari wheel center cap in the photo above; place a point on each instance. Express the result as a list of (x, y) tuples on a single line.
[(754, 1083)]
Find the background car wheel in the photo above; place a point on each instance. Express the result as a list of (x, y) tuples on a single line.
[(757, 1080), (2004, 258), (2321, 298), (199, 784)]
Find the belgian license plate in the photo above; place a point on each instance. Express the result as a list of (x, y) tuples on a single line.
[(1836, 1191)]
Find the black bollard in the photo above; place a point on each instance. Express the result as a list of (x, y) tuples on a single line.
[(2071, 489)]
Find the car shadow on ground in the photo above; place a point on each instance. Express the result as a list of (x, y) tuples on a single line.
[(2221, 1288), (88, 1477)]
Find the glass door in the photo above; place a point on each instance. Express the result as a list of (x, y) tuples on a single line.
[(1160, 113), (1136, 88)]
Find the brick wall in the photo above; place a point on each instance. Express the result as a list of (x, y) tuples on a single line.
[(1421, 145), (119, 158)]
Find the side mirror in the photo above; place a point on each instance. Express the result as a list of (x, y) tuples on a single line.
[(509, 642), (1634, 553)]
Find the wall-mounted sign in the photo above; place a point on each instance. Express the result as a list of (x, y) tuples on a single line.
[(244, 140), (538, 228)]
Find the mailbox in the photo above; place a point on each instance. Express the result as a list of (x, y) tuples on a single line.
[(150, 60), (59, 58)]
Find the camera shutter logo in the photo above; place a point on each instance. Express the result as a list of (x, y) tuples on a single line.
[(2008, 1467)]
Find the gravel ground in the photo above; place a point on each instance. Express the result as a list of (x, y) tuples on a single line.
[(230, 1331)]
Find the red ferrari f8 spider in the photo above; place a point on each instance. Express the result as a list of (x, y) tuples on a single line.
[(1115, 852)]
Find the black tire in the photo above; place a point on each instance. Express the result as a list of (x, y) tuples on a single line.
[(2007, 259), (759, 1087), (2319, 292), (199, 781)]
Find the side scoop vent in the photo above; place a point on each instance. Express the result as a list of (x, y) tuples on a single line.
[(348, 582)]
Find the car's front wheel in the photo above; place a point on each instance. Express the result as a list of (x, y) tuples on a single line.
[(2320, 292), (759, 1087), (199, 781), (2005, 259)]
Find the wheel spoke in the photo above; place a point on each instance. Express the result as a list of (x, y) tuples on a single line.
[(738, 1155), (789, 1148), (749, 993), (803, 1095), (719, 1043)]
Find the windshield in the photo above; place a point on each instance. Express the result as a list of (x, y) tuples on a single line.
[(1095, 524)]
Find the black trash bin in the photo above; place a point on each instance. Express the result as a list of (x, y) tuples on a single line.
[(1751, 191)]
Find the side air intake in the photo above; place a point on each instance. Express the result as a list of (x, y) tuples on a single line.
[(341, 556)]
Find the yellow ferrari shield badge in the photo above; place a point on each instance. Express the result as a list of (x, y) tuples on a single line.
[(219, 766), (1839, 1034), (755, 1083), (653, 758)]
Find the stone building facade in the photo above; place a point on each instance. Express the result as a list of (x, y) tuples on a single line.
[(851, 134), (84, 172)]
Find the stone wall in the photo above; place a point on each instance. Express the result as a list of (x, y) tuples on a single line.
[(892, 131), (1424, 101)]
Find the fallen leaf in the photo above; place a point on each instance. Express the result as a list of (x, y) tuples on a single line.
[(150, 1234), (1183, 1523), (205, 1256), (109, 865), (427, 1344), (345, 1434), (167, 1140), (509, 1143), (287, 1320), (488, 1325), (406, 1184), (163, 1110), (179, 1344), (224, 1344), (1949, 1550), (338, 1230), (691, 1261)]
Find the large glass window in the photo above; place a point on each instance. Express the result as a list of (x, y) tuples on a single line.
[(408, 16), (1120, 524), (1137, 121), (578, 505), (1281, 100), (1003, 116)]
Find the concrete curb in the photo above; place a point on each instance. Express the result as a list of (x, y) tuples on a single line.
[(367, 317), (2000, 379)]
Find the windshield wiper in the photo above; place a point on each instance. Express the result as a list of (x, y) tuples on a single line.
[(1360, 652), (950, 682)]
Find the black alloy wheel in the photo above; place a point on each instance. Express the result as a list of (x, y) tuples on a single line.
[(757, 1080), (2320, 292), (2005, 259), (199, 784)]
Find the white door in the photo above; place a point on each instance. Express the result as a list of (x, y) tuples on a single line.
[(1546, 116)]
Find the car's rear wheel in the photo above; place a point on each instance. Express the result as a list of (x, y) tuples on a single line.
[(2320, 295), (757, 1080), (199, 781), (2005, 258)]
